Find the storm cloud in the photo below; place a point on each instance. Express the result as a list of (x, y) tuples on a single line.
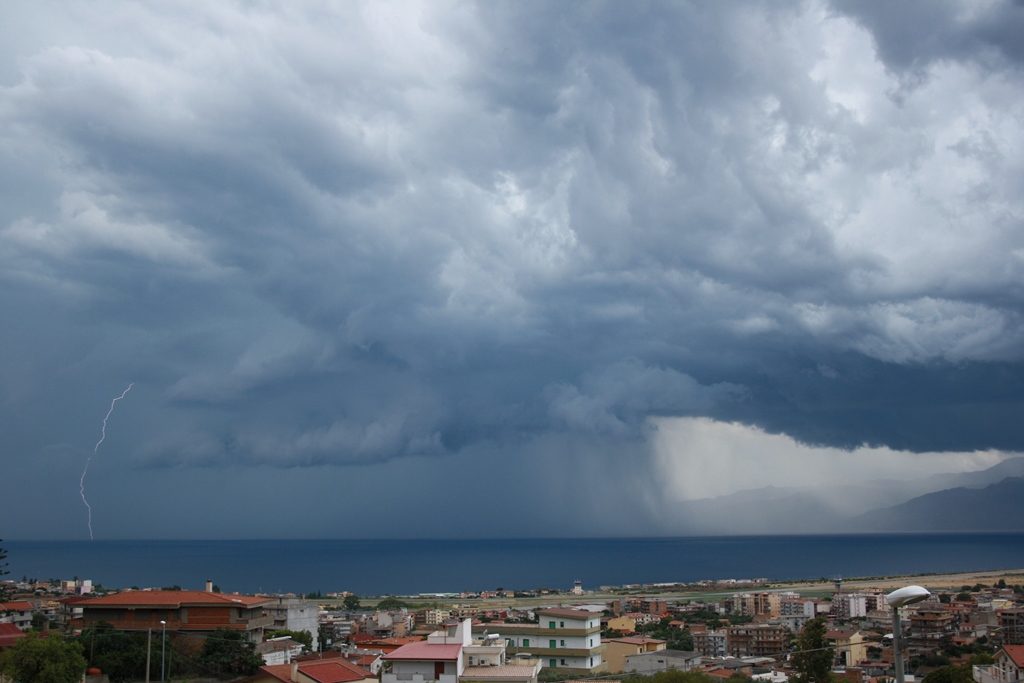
[(364, 251)]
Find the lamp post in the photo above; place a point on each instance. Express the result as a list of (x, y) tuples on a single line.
[(898, 599), (163, 646)]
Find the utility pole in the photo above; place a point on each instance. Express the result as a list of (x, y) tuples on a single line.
[(149, 649), (163, 648)]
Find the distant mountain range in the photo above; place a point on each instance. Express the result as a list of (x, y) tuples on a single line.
[(991, 499), (996, 507)]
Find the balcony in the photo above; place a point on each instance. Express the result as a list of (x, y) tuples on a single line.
[(556, 651)]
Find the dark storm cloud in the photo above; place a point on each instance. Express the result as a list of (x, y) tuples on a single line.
[(910, 35), (505, 235)]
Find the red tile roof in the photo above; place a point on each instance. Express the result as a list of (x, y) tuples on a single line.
[(327, 671), (720, 673), (173, 599), (1016, 654), (9, 635), (423, 651), (16, 606), (282, 672), (334, 671)]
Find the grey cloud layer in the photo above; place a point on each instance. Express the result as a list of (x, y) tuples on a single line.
[(349, 234)]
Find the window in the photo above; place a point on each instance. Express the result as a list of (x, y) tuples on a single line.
[(551, 663), (563, 662), (553, 644), (551, 624), (590, 643), (561, 643), (526, 642), (561, 624), (591, 661)]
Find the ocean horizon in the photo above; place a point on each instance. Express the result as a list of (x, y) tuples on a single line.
[(414, 566)]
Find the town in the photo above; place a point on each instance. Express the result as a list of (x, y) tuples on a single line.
[(735, 630)]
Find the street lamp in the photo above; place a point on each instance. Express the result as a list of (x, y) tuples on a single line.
[(163, 645), (897, 599)]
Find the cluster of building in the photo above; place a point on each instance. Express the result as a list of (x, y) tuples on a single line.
[(750, 633)]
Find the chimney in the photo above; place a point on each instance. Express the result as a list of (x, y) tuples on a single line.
[(295, 672), (209, 585)]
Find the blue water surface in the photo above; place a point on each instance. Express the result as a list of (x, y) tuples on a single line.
[(378, 567)]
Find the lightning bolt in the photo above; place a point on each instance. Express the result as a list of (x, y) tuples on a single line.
[(96, 448)]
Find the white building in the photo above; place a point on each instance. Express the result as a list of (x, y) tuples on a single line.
[(18, 613), (279, 650), (452, 656), (295, 614), (1008, 667), (563, 638)]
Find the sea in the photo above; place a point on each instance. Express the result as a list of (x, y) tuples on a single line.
[(418, 566)]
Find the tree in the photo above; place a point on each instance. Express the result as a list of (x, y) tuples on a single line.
[(43, 659), (227, 654), (351, 601), (119, 654), (950, 674), (813, 658), (38, 621), (391, 603)]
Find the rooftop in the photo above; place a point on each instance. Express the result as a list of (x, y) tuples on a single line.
[(334, 671), (173, 599), (503, 672), (1016, 654), (326, 671), (673, 654), (422, 651), (567, 613)]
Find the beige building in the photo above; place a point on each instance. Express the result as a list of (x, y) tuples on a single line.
[(622, 624), (851, 647), (617, 649)]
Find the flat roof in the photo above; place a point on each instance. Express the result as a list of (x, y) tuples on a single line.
[(424, 651)]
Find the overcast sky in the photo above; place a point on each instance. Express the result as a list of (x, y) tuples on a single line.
[(460, 269)]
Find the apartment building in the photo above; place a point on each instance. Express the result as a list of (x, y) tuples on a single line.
[(295, 614), (711, 643), (757, 640), (1011, 626), (849, 605), (754, 604), (188, 611), (563, 638), (931, 625)]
